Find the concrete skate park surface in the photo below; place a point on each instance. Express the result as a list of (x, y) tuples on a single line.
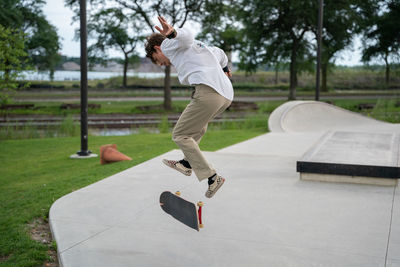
[(264, 215)]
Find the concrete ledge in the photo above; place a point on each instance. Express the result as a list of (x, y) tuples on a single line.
[(348, 169), (348, 179), (351, 154)]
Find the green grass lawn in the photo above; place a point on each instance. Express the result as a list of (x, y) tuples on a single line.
[(107, 107), (385, 109), (36, 172), (155, 107), (265, 92)]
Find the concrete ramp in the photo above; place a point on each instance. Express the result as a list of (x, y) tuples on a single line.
[(354, 148), (313, 116)]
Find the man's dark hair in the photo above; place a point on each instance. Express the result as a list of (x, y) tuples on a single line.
[(153, 40)]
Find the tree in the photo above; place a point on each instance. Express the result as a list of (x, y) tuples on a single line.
[(142, 11), (383, 39), (219, 26), (12, 59), (176, 12), (42, 41), (43, 46), (109, 27), (343, 20), (275, 29)]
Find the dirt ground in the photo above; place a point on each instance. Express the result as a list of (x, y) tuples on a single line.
[(40, 231)]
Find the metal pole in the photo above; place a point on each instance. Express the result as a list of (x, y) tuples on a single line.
[(319, 44), (84, 94)]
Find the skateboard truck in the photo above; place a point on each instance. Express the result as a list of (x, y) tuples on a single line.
[(200, 205)]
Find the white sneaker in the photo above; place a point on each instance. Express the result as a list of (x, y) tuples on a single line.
[(213, 188), (176, 165)]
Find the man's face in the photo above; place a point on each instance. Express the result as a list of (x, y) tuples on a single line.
[(159, 58)]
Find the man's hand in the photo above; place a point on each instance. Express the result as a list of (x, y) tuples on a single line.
[(227, 71), (166, 28)]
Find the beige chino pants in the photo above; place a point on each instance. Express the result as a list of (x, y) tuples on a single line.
[(206, 104)]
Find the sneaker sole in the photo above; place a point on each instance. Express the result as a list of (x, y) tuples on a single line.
[(188, 173), (216, 189)]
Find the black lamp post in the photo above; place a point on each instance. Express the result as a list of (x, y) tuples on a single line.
[(84, 152)]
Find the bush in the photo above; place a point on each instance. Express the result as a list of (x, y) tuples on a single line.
[(12, 58), (164, 126)]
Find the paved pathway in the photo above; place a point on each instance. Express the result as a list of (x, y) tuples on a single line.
[(263, 216)]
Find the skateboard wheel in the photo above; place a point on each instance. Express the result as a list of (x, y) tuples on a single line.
[(200, 204), (178, 193)]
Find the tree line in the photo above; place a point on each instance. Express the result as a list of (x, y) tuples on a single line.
[(275, 33)]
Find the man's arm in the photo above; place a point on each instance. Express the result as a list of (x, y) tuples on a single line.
[(222, 59), (179, 37)]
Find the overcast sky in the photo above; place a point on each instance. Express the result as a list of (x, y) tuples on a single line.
[(61, 17)]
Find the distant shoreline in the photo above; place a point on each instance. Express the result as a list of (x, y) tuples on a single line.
[(67, 75)]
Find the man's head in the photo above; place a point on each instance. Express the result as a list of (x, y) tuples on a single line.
[(153, 50)]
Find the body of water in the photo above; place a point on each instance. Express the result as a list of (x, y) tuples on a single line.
[(65, 75)]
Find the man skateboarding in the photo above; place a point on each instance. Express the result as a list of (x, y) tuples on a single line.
[(205, 68)]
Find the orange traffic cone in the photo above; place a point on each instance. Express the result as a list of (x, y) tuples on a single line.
[(109, 153)]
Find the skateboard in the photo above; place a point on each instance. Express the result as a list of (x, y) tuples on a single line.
[(181, 209)]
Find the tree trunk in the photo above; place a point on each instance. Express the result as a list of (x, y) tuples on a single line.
[(4, 92), (387, 72), (276, 72), (51, 75), (167, 88), (324, 72), (229, 55), (124, 83), (7, 71), (293, 73)]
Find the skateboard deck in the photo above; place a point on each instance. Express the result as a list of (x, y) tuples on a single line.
[(181, 209)]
